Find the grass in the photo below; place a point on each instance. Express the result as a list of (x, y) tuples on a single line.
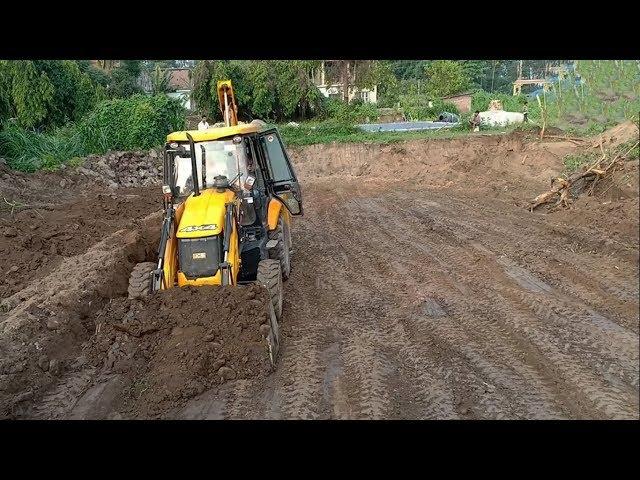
[(572, 162), (330, 132)]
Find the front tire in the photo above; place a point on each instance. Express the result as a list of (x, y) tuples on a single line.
[(270, 275), (140, 280)]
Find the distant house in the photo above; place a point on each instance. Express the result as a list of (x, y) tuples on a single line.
[(460, 100), (328, 80), (180, 85)]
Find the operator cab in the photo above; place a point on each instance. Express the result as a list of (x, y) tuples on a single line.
[(252, 161)]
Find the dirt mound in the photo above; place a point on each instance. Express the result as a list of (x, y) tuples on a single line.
[(622, 133), (36, 238), (125, 169), (43, 326), (498, 165), (175, 345)]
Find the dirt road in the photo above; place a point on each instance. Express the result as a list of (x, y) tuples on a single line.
[(429, 305), (436, 297)]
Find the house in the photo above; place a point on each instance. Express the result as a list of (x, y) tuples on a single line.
[(328, 79), (460, 100), (181, 84)]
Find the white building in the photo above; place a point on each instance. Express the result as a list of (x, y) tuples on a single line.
[(328, 80)]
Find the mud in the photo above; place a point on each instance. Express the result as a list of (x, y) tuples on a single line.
[(176, 345), (421, 288)]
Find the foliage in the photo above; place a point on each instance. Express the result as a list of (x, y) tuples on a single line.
[(160, 80), (45, 93), (124, 80), (446, 77), (277, 90), (138, 122), (599, 94), (416, 107), (573, 162), (349, 113), (408, 69), (267, 89)]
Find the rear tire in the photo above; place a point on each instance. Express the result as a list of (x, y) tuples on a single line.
[(270, 275), (140, 280), (282, 252)]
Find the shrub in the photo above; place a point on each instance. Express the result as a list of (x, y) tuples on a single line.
[(354, 112), (416, 107), (136, 123)]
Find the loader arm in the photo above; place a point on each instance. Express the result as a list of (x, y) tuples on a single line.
[(227, 102)]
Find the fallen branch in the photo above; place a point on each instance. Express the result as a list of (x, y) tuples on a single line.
[(561, 189)]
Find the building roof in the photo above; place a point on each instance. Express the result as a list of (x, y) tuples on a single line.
[(179, 78)]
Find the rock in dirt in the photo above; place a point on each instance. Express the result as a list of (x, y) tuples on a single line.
[(55, 367), (226, 373), (53, 323), (43, 362), (10, 232)]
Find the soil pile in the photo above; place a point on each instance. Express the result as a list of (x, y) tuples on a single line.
[(175, 345), (35, 238), (125, 169)]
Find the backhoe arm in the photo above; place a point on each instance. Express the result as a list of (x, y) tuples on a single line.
[(227, 102)]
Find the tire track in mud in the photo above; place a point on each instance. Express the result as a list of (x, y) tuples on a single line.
[(461, 345), (611, 402), (394, 350), (597, 289)]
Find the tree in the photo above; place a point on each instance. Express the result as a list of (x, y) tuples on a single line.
[(160, 80), (27, 91), (446, 77), (408, 69), (124, 80), (46, 93)]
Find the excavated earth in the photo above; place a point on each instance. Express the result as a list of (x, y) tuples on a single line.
[(422, 288)]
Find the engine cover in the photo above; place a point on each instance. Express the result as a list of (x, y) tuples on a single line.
[(199, 257)]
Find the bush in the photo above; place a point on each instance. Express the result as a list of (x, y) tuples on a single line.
[(510, 103), (349, 113), (416, 107), (136, 123)]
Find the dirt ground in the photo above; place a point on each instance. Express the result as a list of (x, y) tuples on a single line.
[(421, 288)]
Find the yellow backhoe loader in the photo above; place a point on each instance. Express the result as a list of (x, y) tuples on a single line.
[(229, 194)]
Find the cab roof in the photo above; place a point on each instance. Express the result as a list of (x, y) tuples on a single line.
[(217, 132)]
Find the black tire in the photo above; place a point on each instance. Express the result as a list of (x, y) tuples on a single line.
[(140, 280), (282, 252), (270, 275)]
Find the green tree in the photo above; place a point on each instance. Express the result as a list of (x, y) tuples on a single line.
[(160, 80), (29, 91), (124, 80), (446, 77)]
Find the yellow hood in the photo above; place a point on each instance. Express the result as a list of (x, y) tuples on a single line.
[(203, 215)]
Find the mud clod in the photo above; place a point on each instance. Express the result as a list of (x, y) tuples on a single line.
[(43, 363)]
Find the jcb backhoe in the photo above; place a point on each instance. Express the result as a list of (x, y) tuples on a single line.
[(229, 194)]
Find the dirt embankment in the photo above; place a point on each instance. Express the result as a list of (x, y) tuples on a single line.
[(432, 292)]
